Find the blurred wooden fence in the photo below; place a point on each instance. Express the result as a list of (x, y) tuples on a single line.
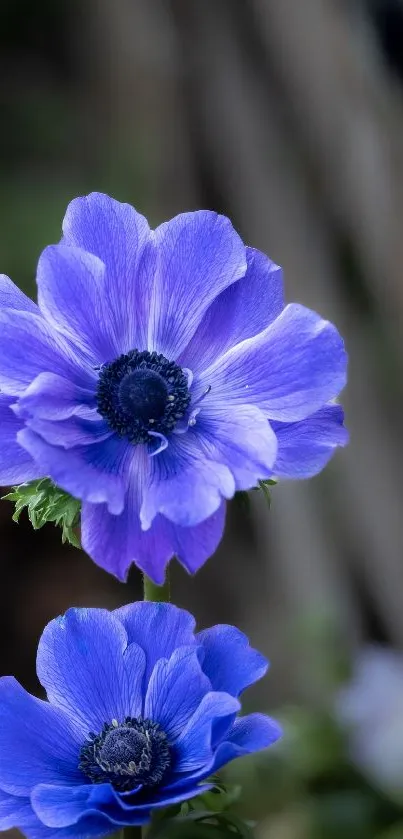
[(283, 115)]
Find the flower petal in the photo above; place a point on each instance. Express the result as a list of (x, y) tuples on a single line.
[(15, 811), (91, 472), (159, 628), (92, 825), (167, 797), (11, 297), (59, 806), (290, 370), (53, 397), (185, 487), (305, 447), (28, 346), (81, 665), (16, 465), (73, 298), (122, 239), (241, 438), (199, 255), (248, 734), (194, 746), (64, 806), (37, 742), (229, 662), (194, 545), (73, 431), (241, 311), (176, 688), (115, 542)]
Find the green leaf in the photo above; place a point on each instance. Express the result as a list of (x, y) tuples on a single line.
[(265, 487), (218, 799), (45, 502)]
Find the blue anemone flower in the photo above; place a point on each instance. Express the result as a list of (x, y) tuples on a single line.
[(141, 711), (160, 372)]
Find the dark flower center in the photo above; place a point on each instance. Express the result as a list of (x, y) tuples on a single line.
[(127, 754), (142, 392)]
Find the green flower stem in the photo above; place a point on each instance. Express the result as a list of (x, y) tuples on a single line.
[(157, 594)]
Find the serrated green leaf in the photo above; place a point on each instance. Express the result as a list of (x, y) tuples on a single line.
[(45, 502)]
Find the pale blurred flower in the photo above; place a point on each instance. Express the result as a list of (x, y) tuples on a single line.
[(371, 708)]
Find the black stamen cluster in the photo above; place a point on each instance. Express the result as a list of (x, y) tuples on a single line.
[(126, 754), (140, 392)]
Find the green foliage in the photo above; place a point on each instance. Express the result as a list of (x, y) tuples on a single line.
[(45, 502), (242, 496), (201, 824), (306, 787), (265, 486), (203, 817)]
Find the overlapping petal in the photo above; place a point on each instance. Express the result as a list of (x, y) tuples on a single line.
[(199, 255), (184, 485), (229, 662), (36, 741), (239, 437), (122, 239), (11, 297), (72, 297), (16, 465), (92, 472), (248, 734), (28, 347), (15, 810), (73, 431), (305, 447), (83, 665), (290, 370), (116, 541), (243, 310), (159, 630), (91, 824), (175, 690), (195, 744), (60, 807), (54, 397)]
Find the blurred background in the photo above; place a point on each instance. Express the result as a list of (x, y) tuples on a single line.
[(288, 117)]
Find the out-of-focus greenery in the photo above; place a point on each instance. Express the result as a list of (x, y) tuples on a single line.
[(306, 788)]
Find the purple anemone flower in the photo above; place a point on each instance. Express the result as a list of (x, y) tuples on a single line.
[(160, 372), (141, 712)]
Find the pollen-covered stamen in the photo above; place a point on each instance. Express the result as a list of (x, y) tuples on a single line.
[(141, 392), (127, 754)]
